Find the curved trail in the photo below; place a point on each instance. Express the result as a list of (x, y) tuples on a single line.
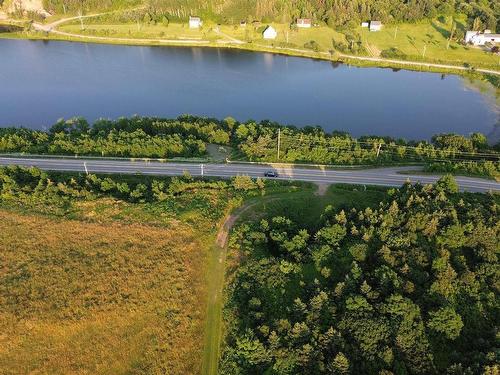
[(217, 272)]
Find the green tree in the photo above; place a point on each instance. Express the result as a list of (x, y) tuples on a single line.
[(340, 364), (446, 321), (242, 182), (448, 184)]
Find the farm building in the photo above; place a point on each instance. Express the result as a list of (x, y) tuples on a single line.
[(375, 25), (304, 23), (480, 39), (270, 33), (195, 22), (365, 24)]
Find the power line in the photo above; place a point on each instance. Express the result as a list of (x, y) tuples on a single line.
[(430, 148)]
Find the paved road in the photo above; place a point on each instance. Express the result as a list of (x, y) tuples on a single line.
[(379, 176)]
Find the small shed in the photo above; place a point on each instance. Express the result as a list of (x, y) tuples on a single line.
[(269, 33), (375, 25), (304, 23), (365, 24), (195, 22)]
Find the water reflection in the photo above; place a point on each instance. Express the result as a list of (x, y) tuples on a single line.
[(59, 79)]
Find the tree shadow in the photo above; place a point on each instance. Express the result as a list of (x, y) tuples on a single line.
[(461, 25), (441, 30), (412, 41), (430, 39)]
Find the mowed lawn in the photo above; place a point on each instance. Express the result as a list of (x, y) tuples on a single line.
[(425, 41), (431, 38), (294, 38), (141, 31), (80, 297)]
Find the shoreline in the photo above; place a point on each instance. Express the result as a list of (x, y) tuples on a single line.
[(489, 75)]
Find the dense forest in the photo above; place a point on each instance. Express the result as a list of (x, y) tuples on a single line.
[(408, 287), (187, 136), (337, 13)]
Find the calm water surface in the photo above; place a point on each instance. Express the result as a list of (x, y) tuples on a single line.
[(43, 81)]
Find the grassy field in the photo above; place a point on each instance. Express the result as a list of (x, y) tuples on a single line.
[(95, 284), (141, 31), (322, 35), (307, 206), (426, 41), (430, 38), (105, 286), (295, 38), (82, 297), (410, 39)]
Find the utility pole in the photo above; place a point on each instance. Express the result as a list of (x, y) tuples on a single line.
[(396, 33), (425, 49), (451, 33), (279, 142), (81, 19), (378, 149), (85, 166)]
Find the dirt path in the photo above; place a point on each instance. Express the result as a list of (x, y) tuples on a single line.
[(48, 27), (127, 40), (230, 38), (233, 41), (217, 270), (51, 28), (328, 56), (226, 227), (322, 189)]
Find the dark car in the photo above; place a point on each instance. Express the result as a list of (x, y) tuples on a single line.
[(271, 174)]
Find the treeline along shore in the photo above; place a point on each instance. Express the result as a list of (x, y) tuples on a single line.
[(188, 136)]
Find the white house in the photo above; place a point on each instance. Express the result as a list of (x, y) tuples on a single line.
[(195, 22), (375, 25), (480, 39), (365, 24), (270, 33), (304, 23)]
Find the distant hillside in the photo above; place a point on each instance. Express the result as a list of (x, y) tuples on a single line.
[(482, 14)]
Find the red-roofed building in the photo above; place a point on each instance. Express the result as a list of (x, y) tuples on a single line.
[(304, 23)]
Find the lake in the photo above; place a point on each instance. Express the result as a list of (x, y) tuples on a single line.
[(41, 82)]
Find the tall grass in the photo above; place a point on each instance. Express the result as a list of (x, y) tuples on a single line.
[(85, 298)]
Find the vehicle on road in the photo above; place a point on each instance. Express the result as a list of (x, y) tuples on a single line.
[(270, 174)]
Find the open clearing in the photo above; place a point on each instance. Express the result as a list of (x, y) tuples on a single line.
[(429, 40), (87, 298)]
